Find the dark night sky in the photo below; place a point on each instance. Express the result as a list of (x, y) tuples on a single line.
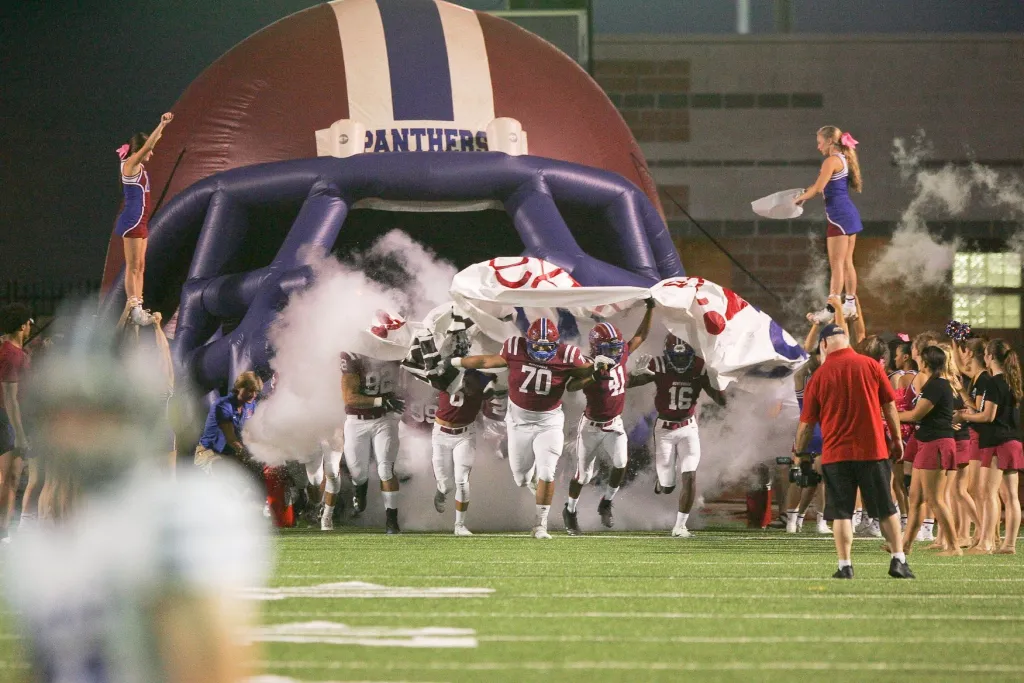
[(80, 77)]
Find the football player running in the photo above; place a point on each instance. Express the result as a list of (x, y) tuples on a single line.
[(679, 377), (539, 368), (454, 435), (601, 430), (371, 429)]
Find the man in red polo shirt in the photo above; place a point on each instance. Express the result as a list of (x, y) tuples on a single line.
[(848, 395)]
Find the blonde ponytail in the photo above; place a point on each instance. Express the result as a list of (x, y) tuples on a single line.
[(834, 136)]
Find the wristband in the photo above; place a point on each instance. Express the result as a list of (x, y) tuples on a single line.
[(378, 402), (456, 362)]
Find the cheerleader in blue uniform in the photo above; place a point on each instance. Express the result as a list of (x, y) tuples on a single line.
[(133, 221), (840, 173)]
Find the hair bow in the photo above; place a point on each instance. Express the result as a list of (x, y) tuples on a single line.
[(903, 336), (122, 151), (958, 331), (846, 140)]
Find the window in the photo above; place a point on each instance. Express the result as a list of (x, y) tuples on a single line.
[(977, 279)]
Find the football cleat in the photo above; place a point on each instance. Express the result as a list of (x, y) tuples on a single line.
[(604, 508), (326, 521), (391, 521), (680, 531), (572, 525), (900, 570), (542, 340), (540, 532), (679, 354), (846, 572), (359, 499), (461, 530), (439, 500), (606, 340)]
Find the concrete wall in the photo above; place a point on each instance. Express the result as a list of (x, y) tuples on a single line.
[(724, 120)]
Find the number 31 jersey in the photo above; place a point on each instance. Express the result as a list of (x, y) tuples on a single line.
[(539, 385), (606, 397), (677, 391)]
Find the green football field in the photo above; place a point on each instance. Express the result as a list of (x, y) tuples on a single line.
[(726, 605)]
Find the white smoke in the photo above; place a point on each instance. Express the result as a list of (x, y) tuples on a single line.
[(916, 259)]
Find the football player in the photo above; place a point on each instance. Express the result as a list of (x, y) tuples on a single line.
[(371, 430), (601, 430), (539, 368), (454, 435), (679, 377)]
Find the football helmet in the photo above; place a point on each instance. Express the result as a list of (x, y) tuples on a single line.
[(679, 354), (606, 340), (542, 340)]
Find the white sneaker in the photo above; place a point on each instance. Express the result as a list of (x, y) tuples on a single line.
[(141, 316), (850, 309), (461, 530), (681, 532), (924, 534), (791, 524), (823, 527), (326, 522), (864, 526), (540, 532), (874, 531), (822, 317)]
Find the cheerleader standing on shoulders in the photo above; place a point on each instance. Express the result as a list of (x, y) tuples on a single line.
[(1001, 454), (133, 221), (840, 173)]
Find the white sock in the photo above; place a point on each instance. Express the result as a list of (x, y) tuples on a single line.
[(792, 514), (845, 563), (609, 492), (681, 518), (542, 516), (858, 515), (328, 510), (899, 556), (847, 297), (800, 518), (571, 504), (390, 499), (897, 506), (460, 517), (929, 525)]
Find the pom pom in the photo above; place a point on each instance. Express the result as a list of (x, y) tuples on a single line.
[(958, 331)]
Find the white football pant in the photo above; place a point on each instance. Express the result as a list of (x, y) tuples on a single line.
[(675, 447), (592, 442), (453, 456), (377, 438), (534, 438)]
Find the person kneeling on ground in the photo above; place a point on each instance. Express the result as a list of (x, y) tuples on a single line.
[(222, 434)]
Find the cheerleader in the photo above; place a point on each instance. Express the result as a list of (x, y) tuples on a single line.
[(1002, 458), (958, 496), (133, 221), (840, 172), (970, 358)]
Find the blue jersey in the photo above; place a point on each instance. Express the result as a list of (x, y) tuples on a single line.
[(840, 212), (226, 409)]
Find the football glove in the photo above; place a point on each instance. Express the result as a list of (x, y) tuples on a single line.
[(392, 404), (641, 368)]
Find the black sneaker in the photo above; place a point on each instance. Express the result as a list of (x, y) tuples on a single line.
[(359, 500), (604, 508), (439, 499), (391, 525), (844, 573), (657, 487), (572, 526), (900, 570)]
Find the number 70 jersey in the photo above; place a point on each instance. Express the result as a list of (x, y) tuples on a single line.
[(677, 390), (539, 385)]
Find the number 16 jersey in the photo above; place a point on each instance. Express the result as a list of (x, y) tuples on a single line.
[(677, 390), (539, 385)]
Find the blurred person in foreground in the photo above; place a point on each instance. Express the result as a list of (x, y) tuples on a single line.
[(848, 395), (15, 327), (138, 582)]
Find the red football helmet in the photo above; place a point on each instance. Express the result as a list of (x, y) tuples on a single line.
[(606, 340), (542, 340), (386, 322), (679, 354)]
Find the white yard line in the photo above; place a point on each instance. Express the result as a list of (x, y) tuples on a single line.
[(762, 596), (758, 640), (506, 577), (799, 665), (647, 615)]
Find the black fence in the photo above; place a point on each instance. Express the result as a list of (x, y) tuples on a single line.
[(44, 298)]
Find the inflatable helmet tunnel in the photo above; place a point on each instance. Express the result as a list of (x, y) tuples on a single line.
[(341, 122)]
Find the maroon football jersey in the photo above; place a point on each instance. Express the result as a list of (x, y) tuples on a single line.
[(376, 378), (606, 398), (677, 392), (461, 407), (538, 385)]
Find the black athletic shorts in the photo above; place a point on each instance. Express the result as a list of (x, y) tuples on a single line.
[(6, 433), (872, 477)]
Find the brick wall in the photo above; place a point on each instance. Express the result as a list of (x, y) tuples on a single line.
[(650, 95)]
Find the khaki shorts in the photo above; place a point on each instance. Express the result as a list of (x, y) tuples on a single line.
[(205, 458)]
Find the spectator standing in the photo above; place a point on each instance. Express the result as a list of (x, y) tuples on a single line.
[(848, 396), (15, 327)]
